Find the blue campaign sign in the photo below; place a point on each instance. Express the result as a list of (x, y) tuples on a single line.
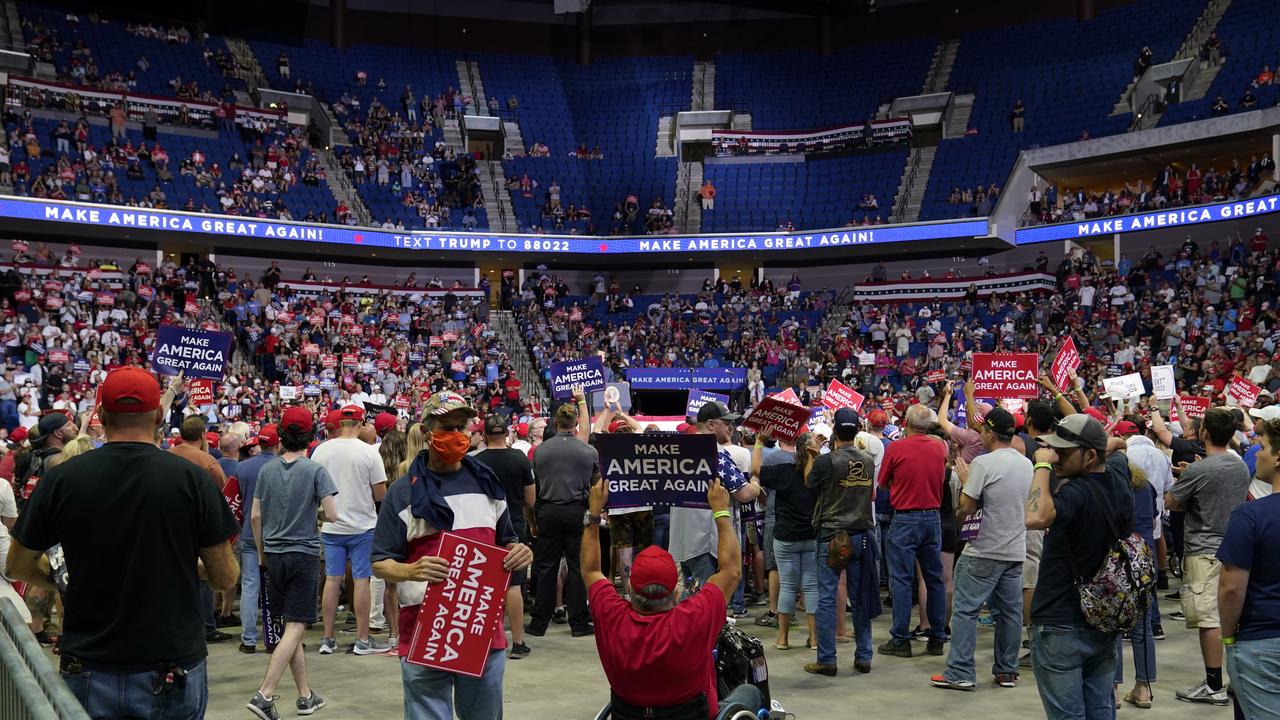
[(1139, 222), (657, 469), (196, 353), (177, 222), (586, 373), (687, 378), (698, 398)]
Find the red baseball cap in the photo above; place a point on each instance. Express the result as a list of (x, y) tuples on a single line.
[(129, 389), (1098, 415), (268, 436), (1124, 428), (384, 423), (213, 438), (654, 566), (297, 417), (619, 425), (251, 442), (682, 428), (351, 412), (332, 419), (877, 418), (18, 435), (522, 430)]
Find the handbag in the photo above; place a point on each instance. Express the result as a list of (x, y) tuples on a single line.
[(1117, 595), (839, 551)]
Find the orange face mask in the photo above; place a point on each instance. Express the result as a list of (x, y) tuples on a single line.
[(450, 446)]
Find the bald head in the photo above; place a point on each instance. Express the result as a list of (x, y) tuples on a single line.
[(919, 418)]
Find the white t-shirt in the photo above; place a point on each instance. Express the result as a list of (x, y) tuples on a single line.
[(8, 509), (355, 467)]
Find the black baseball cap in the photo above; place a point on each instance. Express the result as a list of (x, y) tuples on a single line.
[(1000, 422), (847, 419), (716, 410), (495, 425)]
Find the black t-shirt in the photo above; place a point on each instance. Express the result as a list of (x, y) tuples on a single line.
[(793, 513), (1080, 530), (1185, 450), (516, 473), (131, 519)]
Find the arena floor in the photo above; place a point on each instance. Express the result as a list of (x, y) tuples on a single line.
[(562, 680)]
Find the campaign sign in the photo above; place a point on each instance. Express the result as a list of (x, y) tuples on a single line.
[(288, 392), (935, 376), (1123, 387), (788, 396), (1195, 407), (460, 614), (1068, 359), (200, 391), (1006, 375), (780, 419), (586, 373), (57, 355), (664, 470), (53, 302), (615, 393), (866, 358), (196, 353), (1162, 382), (1244, 392), (698, 398), (839, 395)]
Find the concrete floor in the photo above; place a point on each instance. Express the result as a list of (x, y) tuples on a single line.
[(562, 680)]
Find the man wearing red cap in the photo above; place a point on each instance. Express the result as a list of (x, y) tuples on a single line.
[(384, 423), (268, 439), (136, 630), (444, 490), (356, 468), (657, 653)]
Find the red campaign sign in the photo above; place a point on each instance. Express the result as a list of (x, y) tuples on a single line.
[(106, 299), (95, 274), (328, 360), (780, 419), (402, 402), (347, 319), (284, 317), (53, 286), (1068, 359), (435, 341), (22, 295), (460, 615), (58, 356), (1244, 392), (19, 245), (839, 395), (191, 308), (310, 349), (935, 376), (144, 269), (575, 316), (1195, 407), (355, 330), (449, 336), (200, 390), (53, 302), (350, 359), (457, 366), (146, 292), (382, 364), (1006, 375), (787, 396)]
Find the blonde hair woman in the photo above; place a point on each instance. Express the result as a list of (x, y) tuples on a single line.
[(416, 442)]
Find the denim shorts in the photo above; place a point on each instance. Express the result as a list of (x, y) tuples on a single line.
[(340, 548), (293, 580)]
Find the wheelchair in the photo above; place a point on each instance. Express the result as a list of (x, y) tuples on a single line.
[(734, 711)]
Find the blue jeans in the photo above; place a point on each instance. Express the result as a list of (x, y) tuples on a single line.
[(828, 582), (9, 414), (998, 583), (206, 608), (916, 537), (1075, 668), (249, 585), (661, 528), (435, 694), (700, 567), (105, 694), (797, 571), (1254, 666)]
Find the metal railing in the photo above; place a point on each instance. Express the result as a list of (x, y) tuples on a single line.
[(30, 687), (1200, 31), (1140, 116), (900, 205)]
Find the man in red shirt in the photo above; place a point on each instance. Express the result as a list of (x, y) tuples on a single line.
[(657, 654), (914, 470)]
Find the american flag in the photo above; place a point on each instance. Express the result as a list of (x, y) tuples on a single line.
[(730, 476), (587, 331), (477, 330)]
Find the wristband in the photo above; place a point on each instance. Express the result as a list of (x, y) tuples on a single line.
[(722, 514), (1058, 396), (1045, 465), (1228, 639)]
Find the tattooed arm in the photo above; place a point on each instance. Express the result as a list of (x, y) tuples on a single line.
[(1040, 510)]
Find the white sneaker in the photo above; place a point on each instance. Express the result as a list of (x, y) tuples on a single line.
[(371, 647), (327, 646), (1203, 694)]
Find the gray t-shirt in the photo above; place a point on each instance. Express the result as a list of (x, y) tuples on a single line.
[(563, 467), (1000, 481), (289, 493), (1209, 490), (774, 456)]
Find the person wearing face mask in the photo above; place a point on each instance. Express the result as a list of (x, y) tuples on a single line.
[(444, 490), (134, 646)]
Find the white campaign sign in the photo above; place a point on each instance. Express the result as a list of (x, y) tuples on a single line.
[(1162, 382), (1123, 387)]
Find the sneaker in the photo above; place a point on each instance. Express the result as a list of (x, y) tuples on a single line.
[(1024, 660), (217, 636), (231, 620), (986, 621), (1127, 635), (861, 666), (371, 647), (768, 619), (1007, 680), (935, 646), (897, 648), (1202, 694), (740, 614), (919, 633), (1177, 615), (1157, 632), (560, 616), (941, 681), (584, 631), (818, 668), (1162, 582), (536, 630), (327, 646), (393, 641), (520, 650), (263, 707), (248, 649), (308, 705)]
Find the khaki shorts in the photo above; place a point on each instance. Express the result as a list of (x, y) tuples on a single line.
[(1031, 566), (1200, 590)]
